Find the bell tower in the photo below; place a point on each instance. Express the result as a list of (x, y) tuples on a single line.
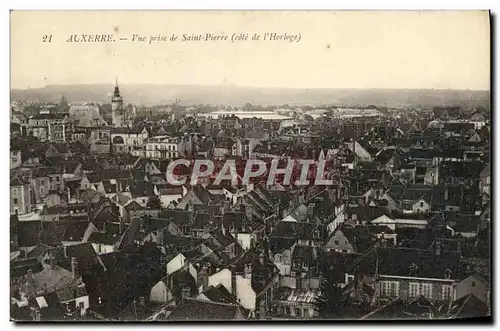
[(117, 107)]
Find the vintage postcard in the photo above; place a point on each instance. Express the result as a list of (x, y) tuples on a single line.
[(250, 165)]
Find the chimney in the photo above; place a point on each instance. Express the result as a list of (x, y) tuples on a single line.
[(262, 309), (298, 280), (142, 301), (233, 281), (248, 213), (203, 278), (446, 193), (438, 248), (52, 262), (186, 292), (74, 266), (310, 210), (248, 271), (122, 225), (29, 277)]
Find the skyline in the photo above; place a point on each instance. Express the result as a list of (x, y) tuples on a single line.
[(362, 50), (248, 86)]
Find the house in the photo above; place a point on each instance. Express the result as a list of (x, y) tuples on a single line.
[(197, 195), (246, 232), (361, 153), (226, 243), (253, 279), (45, 180), (63, 285), (20, 196), (350, 239), (431, 176), (468, 306), (169, 193), (162, 147), (128, 140), (200, 310), (295, 303), (485, 180), (298, 261), (476, 284), (407, 273), (15, 158), (107, 188)]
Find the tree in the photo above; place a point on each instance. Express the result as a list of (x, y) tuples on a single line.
[(329, 303), (154, 202)]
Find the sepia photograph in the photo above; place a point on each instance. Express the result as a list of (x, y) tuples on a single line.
[(191, 166)]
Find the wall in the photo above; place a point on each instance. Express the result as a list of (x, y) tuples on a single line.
[(222, 277), (85, 300), (167, 199), (421, 207), (103, 248), (404, 287), (343, 244), (465, 287), (23, 205), (244, 239), (179, 262), (244, 292), (15, 159), (160, 293), (287, 281)]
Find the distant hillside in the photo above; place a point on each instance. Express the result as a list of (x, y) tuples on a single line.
[(236, 95)]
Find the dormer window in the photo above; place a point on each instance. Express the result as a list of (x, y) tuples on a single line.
[(447, 274), (413, 269)]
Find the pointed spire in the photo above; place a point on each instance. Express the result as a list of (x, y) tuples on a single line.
[(116, 92)]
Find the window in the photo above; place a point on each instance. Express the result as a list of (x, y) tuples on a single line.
[(15, 201), (350, 278), (41, 190), (426, 290), (336, 242), (421, 204), (473, 284), (413, 290), (446, 292), (389, 288), (14, 192)]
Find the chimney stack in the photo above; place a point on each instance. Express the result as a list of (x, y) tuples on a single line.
[(262, 309), (248, 271), (74, 266), (186, 292), (29, 277), (233, 281), (142, 301), (52, 262)]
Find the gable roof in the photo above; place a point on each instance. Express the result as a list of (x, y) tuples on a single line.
[(397, 262), (201, 310)]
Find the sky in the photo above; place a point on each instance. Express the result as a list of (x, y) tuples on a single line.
[(343, 49)]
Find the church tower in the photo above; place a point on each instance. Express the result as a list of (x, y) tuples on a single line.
[(117, 111)]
